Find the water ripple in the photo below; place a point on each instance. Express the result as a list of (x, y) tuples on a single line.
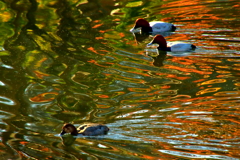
[(7, 101), (78, 62), (191, 155)]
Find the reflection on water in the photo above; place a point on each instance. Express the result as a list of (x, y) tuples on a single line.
[(77, 62)]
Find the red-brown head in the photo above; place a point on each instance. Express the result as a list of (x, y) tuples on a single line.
[(160, 40), (69, 128), (140, 22)]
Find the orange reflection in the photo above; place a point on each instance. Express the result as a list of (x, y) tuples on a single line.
[(190, 99), (149, 157), (213, 81), (23, 142), (139, 89), (103, 31), (166, 87), (103, 96), (184, 61), (176, 77), (97, 25), (188, 70), (199, 80), (121, 35), (44, 97), (39, 63), (180, 37), (95, 51), (95, 62), (97, 38), (205, 20), (208, 90), (117, 19), (92, 49), (96, 21), (40, 75)]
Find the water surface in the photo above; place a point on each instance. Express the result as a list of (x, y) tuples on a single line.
[(76, 61)]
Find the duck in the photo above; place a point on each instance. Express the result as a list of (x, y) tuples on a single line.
[(86, 129), (172, 46), (154, 26)]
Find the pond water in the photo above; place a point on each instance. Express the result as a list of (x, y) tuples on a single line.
[(76, 61)]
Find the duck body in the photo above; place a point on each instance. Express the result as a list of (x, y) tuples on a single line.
[(154, 26), (86, 129), (178, 47), (159, 26), (171, 46)]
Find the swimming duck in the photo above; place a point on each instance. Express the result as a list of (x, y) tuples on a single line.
[(173, 46), (86, 129), (154, 26)]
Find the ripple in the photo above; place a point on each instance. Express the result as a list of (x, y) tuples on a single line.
[(78, 62), (7, 101), (191, 155), (2, 84), (39, 93), (192, 147)]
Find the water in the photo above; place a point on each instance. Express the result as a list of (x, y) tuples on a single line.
[(69, 61)]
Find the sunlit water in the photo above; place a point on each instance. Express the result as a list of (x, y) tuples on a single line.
[(74, 62)]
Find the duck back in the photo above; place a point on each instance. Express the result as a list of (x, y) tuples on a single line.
[(181, 47), (159, 26), (92, 129)]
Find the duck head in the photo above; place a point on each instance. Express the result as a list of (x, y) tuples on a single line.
[(69, 128), (144, 24), (160, 40)]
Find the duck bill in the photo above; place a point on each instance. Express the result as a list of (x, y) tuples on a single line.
[(149, 44), (62, 133), (135, 29), (132, 30)]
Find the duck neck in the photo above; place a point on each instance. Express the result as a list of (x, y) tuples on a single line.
[(74, 132), (146, 29)]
